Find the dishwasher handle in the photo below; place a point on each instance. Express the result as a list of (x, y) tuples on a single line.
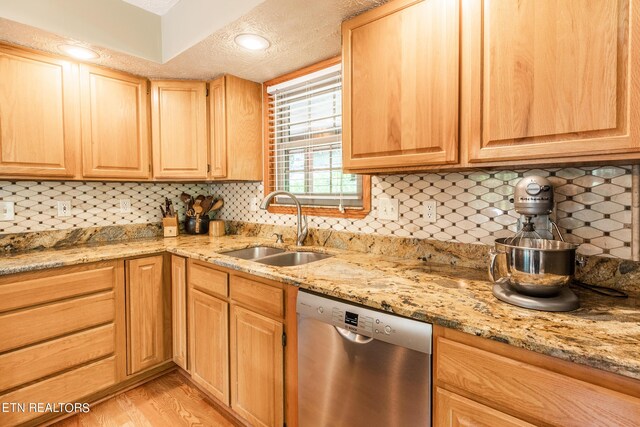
[(352, 336)]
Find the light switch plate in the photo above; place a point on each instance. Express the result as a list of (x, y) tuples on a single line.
[(255, 204), (388, 209), (64, 208), (7, 211)]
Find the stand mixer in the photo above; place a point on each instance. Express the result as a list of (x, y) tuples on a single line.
[(538, 270)]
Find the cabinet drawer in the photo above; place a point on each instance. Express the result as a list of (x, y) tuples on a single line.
[(71, 386), (38, 361), (453, 410), (266, 298), (25, 327), (209, 280), (24, 290), (530, 392)]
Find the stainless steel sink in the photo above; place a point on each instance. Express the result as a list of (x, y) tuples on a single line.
[(290, 259), (253, 253)]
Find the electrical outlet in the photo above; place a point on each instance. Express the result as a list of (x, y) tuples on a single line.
[(125, 206), (430, 211), (255, 204), (64, 208), (388, 209), (7, 212)]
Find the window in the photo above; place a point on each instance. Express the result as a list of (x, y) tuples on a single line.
[(304, 143)]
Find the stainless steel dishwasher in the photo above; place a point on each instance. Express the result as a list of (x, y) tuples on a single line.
[(361, 367)]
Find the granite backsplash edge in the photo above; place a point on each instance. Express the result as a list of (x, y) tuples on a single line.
[(603, 271)]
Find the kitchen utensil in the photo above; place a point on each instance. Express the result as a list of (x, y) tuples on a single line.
[(185, 198), (536, 267), (196, 225), (164, 214), (217, 205), (206, 204)]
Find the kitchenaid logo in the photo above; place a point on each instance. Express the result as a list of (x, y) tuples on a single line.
[(41, 408)]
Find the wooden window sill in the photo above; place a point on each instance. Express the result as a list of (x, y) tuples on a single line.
[(332, 212)]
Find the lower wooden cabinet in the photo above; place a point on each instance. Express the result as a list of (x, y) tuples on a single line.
[(148, 314), (456, 411), (210, 344), (483, 382), (179, 310), (61, 336), (257, 371), (237, 341)]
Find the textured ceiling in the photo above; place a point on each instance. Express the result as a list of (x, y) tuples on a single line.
[(301, 32), (159, 7)]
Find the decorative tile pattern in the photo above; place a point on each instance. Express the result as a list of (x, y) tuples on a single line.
[(593, 207), (92, 203)]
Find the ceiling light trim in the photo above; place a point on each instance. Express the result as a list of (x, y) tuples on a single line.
[(253, 42)]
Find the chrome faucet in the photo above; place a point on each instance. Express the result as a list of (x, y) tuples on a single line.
[(303, 229)]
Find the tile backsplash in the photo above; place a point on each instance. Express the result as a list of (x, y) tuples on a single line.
[(593, 206), (92, 203)]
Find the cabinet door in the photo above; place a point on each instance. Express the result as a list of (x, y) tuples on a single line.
[(179, 129), (400, 106), (545, 79), (179, 310), (209, 343), (146, 314), (453, 410), (115, 128), (218, 128), (235, 122), (257, 390), (39, 126)]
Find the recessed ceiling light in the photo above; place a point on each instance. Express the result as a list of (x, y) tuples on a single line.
[(78, 52), (252, 41)]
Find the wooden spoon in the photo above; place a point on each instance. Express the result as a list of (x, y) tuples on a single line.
[(206, 204), (217, 205)]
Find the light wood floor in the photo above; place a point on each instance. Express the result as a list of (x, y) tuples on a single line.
[(166, 401)]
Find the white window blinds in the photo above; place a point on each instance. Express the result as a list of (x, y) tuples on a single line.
[(305, 140)]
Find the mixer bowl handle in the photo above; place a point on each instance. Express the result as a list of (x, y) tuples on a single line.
[(493, 254)]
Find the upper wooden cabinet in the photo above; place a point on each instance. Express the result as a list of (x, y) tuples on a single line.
[(115, 125), (400, 88), (179, 129), (548, 79), (39, 121), (235, 124)]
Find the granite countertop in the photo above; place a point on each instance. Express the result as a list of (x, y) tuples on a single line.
[(604, 333)]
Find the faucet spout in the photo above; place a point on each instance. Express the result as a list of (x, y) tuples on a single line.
[(302, 228)]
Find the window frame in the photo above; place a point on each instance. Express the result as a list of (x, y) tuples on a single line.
[(269, 185)]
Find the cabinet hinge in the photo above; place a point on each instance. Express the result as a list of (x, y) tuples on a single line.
[(148, 87), (284, 339), (206, 92), (208, 168)]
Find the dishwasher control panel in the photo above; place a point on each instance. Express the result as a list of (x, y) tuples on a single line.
[(370, 323)]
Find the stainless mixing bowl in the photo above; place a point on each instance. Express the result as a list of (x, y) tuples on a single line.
[(535, 267)]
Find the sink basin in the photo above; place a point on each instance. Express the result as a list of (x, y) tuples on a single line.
[(253, 253), (290, 259)]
